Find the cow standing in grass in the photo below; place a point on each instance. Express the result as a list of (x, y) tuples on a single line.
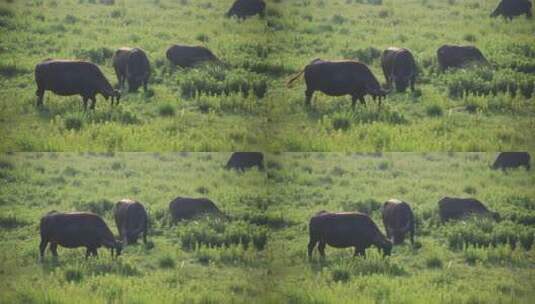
[(459, 56), (451, 208), (512, 160), (187, 208), (338, 78), (398, 220), (132, 220), (187, 56), (513, 8), (246, 160), (73, 77), (132, 65), (247, 8), (76, 229), (399, 68), (345, 229)]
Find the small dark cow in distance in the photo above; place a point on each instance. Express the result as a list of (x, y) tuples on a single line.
[(187, 208), (513, 8), (187, 56), (247, 8), (338, 78), (345, 229), (245, 160), (458, 208), (132, 65), (398, 220), (73, 77), (132, 220), (76, 229), (399, 68), (459, 56), (510, 160)]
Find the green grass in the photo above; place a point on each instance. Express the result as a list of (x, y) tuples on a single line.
[(245, 104), (257, 250)]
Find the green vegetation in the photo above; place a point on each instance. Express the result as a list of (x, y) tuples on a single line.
[(256, 250), (244, 104)]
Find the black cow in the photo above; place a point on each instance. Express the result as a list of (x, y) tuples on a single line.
[(338, 78), (398, 220), (459, 56), (513, 8), (132, 220), (76, 229), (187, 208), (345, 229), (247, 8), (245, 160), (187, 56), (508, 160), (132, 65), (459, 208), (399, 67), (73, 77)]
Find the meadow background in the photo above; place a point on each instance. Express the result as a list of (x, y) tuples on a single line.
[(246, 106), (258, 253)]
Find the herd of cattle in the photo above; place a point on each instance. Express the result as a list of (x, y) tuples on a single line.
[(334, 78), (341, 229)]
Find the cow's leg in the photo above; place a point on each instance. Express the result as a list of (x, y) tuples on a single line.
[(359, 252), (388, 234), (413, 81), (362, 100), (145, 236), (87, 253), (308, 97), (145, 85), (321, 248), (311, 244), (94, 252), (354, 100), (412, 233), (40, 93), (54, 249), (42, 247), (93, 101), (84, 100)]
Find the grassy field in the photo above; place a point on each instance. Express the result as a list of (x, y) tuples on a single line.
[(246, 106), (474, 261)]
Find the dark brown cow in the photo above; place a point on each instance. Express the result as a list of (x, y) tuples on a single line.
[(73, 77), (132, 65), (345, 229), (76, 229), (459, 56), (510, 160), (131, 219), (399, 67), (338, 78), (247, 8), (189, 56), (186, 208), (459, 208), (513, 8), (398, 220), (246, 160)]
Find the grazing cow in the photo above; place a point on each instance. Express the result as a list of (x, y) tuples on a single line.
[(338, 78), (73, 77), (513, 8), (245, 160), (186, 208), (107, 2), (132, 65), (399, 68), (247, 8), (458, 208), (398, 220), (345, 229), (508, 160), (76, 229), (459, 56), (188, 56), (132, 220)]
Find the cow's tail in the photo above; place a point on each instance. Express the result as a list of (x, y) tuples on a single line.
[(294, 78)]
